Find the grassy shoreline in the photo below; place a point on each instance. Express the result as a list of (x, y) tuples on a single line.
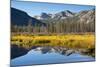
[(68, 40)]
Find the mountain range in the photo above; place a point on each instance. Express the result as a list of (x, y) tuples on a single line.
[(85, 16), (59, 15), (19, 17)]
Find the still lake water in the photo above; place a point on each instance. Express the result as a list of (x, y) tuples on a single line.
[(36, 56)]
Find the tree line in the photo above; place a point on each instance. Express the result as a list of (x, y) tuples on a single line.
[(61, 26)]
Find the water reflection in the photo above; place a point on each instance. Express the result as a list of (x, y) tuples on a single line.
[(48, 55), (62, 51)]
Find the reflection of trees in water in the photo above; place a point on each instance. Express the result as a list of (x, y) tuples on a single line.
[(17, 51), (89, 52)]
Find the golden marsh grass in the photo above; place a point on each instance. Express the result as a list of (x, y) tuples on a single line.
[(68, 40)]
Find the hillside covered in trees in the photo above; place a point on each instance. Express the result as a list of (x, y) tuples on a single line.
[(62, 22)]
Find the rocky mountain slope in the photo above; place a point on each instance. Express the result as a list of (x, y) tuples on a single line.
[(85, 16), (19, 17)]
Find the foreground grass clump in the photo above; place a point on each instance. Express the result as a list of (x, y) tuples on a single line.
[(69, 40)]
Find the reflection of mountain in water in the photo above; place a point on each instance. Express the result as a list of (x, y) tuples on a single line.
[(62, 51), (19, 51), (42, 55)]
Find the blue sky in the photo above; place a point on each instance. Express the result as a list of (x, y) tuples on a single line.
[(36, 8)]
